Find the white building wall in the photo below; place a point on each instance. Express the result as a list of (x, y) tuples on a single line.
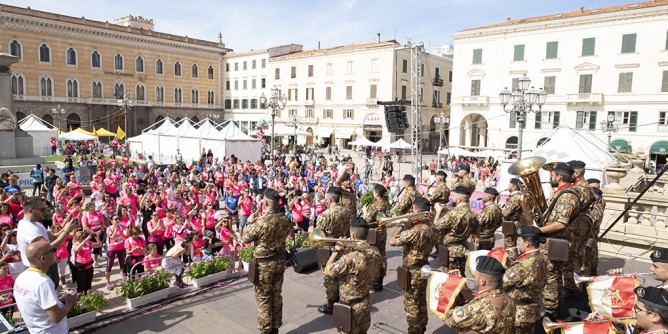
[(246, 116)]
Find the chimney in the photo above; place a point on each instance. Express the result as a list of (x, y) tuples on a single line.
[(378, 37), (318, 45)]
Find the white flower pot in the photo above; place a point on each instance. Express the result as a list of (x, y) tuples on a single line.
[(81, 319), (210, 279), (134, 303), (245, 266)]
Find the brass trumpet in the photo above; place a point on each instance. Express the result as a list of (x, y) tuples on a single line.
[(582, 279), (426, 271), (549, 325), (318, 239), (387, 222)]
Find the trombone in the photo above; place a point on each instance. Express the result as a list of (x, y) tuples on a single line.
[(318, 239), (582, 279), (426, 271), (550, 325), (387, 222)]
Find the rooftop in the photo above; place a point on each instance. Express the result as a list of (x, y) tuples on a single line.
[(105, 25), (343, 48), (579, 13)]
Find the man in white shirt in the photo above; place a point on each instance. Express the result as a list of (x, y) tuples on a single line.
[(31, 228), (36, 295)]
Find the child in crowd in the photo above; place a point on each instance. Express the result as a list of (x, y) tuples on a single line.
[(83, 259), (152, 257), (134, 247)]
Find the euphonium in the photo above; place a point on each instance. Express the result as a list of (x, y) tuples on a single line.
[(533, 199), (549, 325), (318, 239), (386, 222)]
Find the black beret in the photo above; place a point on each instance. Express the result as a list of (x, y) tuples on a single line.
[(597, 192), (515, 181), (653, 297), (464, 167), (593, 180), (491, 191), (334, 190), (563, 168), (489, 265), (461, 190), (441, 173), (272, 194), (379, 189), (359, 222), (528, 231), (659, 255), (345, 177), (577, 164), (422, 203), (409, 177)]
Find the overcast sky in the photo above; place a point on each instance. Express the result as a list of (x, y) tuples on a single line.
[(258, 24)]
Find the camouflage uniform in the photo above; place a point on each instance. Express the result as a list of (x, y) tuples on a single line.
[(564, 212), (523, 282), (371, 216), (405, 202), (417, 243), (489, 219), (354, 272), (349, 201), (491, 312), (454, 228), (512, 211), (335, 222), (268, 234), (440, 195), (580, 230), (590, 263), (468, 183)]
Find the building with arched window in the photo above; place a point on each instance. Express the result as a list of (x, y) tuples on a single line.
[(61, 53)]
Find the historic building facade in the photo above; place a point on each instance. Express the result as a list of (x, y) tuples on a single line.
[(594, 64), (84, 67)]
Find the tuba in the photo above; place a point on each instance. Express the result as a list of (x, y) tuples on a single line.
[(387, 222), (318, 239), (533, 200)]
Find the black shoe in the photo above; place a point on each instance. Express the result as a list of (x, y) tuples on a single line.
[(274, 331), (326, 308), (550, 314), (377, 286)]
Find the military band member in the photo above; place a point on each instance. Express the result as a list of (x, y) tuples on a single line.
[(512, 210), (463, 178), (335, 222), (557, 226), (525, 278), (348, 193), (594, 183), (354, 272), (442, 193), (489, 219), (268, 233), (490, 312), (455, 228), (659, 268), (590, 261), (405, 200), (581, 226), (417, 238), (379, 207), (651, 310)]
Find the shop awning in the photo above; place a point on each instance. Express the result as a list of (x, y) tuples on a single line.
[(322, 132), (344, 133), (620, 145), (660, 147)]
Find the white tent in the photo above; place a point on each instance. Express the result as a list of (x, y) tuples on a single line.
[(283, 130), (489, 154), (41, 133), (456, 152), (75, 135), (362, 141), (191, 139), (401, 144)]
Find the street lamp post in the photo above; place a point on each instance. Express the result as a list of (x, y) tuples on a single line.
[(59, 112), (125, 104), (294, 143), (610, 125), (523, 99), (275, 103), (443, 122)]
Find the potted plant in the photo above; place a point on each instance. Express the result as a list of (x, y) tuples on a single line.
[(151, 287), (245, 255), (208, 271), (86, 308)]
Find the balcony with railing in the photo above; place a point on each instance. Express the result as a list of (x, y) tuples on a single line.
[(309, 103), (477, 100), (662, 128), (437, 81), (591, 98), (371, 102)]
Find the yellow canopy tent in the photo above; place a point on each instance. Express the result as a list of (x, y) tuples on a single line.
[(102, 132), (80, 130)]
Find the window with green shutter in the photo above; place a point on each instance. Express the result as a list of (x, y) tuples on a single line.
[(519, 52), (515, 84), (586, 120), (625, 82), (475, 87), (555, 120), (477, 56), (633, 122), (666, 41), (538, 121), (629, 43), (588, 46), (552, 50), (664, 82), (585, 83), (549, 84)]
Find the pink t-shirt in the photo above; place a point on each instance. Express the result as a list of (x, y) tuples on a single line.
[(131, 243), (318, 207), (7, 220), (198, 245), (7, 283), (179, 237), (115, 238), (83, 256), (94, 220), (297, 213), (210, 221), (61, 252), (169, 228), (152, 264), (155, 224), (246, 206)]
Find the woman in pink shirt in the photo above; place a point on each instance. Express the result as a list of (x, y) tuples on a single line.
[(83, 261), (134, 248), (318, 204), (225, 234), (5, 216), (209, 217), (152, 258), (245, 209), (116, 236), (92, 222), (197, 247), (169, 228), (126, 219), (156, 232), (296, 212)]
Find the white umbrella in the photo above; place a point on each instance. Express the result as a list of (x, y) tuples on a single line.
[(401, 143), (362, 141), (488, 154), (456, 152)]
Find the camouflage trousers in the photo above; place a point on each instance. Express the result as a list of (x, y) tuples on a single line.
[(553, 290), (510, 241), (457, 259), (526, 317), (415, 303), (268, 295), (331, 289), (590, 262), (576, 252), (361, 317), (381, 240)]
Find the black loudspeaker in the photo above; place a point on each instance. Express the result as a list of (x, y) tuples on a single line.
[(395, 118), (304, 259)]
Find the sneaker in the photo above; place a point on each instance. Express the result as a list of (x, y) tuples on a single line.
[(109, 287), (96, 264)]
